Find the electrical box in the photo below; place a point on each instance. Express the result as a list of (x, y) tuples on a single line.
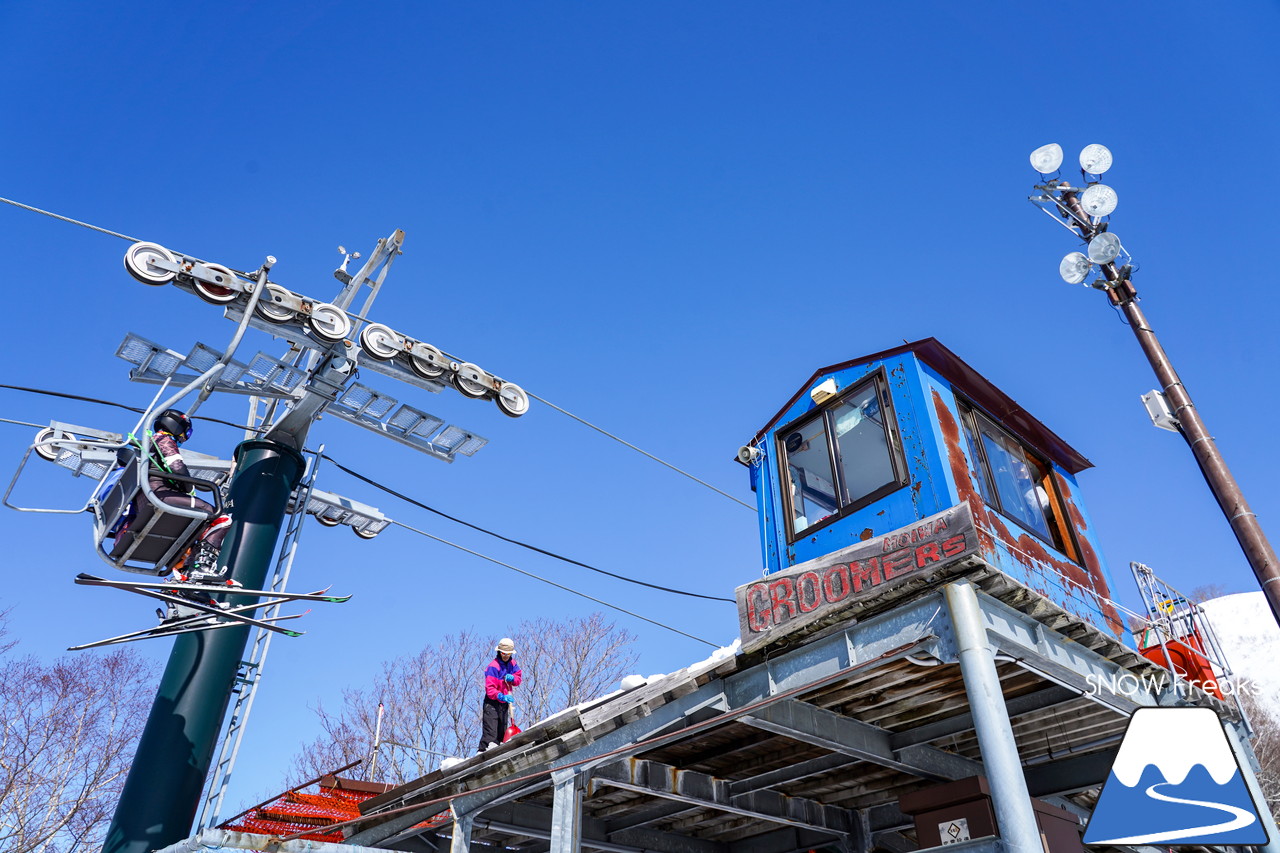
[(1158, 408), (961, 810)]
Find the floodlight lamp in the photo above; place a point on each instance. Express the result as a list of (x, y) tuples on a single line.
[(1047, 158), (1104, 248), (1074, 268), (1099, 200), (1095, 159)]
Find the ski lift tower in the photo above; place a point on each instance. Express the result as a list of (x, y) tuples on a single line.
[(328, 342)]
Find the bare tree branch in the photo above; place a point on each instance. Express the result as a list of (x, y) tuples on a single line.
[(432, 698), (67, 734)]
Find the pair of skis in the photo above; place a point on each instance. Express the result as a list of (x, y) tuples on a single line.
[(209, 614)]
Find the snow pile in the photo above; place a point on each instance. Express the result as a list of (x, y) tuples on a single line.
[(451, 761), (722, 653), (631, 682), (1250, 641)]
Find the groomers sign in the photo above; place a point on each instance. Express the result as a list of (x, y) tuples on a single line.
[(811, 592)]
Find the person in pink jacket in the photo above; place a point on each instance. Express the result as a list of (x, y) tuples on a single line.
[(501, 677)]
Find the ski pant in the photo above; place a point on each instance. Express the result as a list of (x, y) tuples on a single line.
[(493, 722), (214, 534)]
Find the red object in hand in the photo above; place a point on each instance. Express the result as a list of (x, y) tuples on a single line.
[(512, 731)]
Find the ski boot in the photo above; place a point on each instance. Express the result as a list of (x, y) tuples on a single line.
[(204, 568)]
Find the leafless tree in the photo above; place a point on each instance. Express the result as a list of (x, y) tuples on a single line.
[(1266, 746), (566, 663), (67, 732), (431, 699), (1208, 592)]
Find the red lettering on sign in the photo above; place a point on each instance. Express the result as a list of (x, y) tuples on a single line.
[(864, 572), (928, 554), (954, 545), (835, 583), (808, 592), (896, 563), (759, 616), (782, 592)]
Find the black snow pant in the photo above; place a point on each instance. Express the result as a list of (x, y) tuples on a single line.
[(173, 497), (493, 722)]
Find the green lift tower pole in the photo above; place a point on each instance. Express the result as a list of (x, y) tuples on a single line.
[(162, 791)]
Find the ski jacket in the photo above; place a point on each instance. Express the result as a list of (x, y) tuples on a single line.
[(166, 456), (495, 681)]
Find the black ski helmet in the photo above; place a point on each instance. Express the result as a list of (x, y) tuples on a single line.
[(173, 422)]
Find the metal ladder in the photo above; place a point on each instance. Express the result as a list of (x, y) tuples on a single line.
[(249, 675)]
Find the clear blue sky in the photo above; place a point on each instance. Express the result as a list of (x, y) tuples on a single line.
[(660, 216)]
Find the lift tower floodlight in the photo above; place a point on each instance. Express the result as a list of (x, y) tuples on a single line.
[(165, 780), (1082, 210)]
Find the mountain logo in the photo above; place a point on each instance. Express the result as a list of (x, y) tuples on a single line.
[(1175, 780)]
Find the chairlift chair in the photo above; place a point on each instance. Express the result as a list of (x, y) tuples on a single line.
[(158, 533)]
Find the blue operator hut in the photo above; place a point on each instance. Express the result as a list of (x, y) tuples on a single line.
[(907, 466)]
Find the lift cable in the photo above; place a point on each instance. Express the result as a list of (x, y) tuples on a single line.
[(69, 219), (508, 565), (402, 497), (127, 408), (553, 583), (21, 423), (638, 450), (534, 396), (496, 535)]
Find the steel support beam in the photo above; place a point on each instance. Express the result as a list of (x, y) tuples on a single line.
[(1057, 658), (788, 839), (1025, 704), (1070, 775), (794, 773), (536, 821), (461, 841), (894, 842), (566, 812), (887, 817), (856, 739), (1009, 796), (704, 791), (861, 641)]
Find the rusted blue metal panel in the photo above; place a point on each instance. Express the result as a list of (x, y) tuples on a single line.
[(922, 385)]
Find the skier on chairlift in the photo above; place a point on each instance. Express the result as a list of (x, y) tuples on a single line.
[(170, 429)]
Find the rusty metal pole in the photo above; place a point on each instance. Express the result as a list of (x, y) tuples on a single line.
[(1257, 549)]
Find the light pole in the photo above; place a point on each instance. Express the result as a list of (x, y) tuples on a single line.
[(1105, 265)]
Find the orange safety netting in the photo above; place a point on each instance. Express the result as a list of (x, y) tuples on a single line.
[(295, 811)]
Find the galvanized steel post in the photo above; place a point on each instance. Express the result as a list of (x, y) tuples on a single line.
[(1001, 763), (461, 840), (162, 790), (566, 812)]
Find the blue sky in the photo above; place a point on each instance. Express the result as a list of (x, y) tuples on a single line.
[(660, 216)]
